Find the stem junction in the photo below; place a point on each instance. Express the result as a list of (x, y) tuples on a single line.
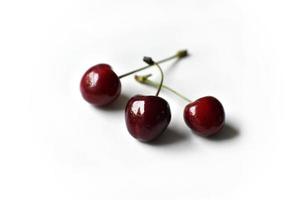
[(149, 61), (180, 54)]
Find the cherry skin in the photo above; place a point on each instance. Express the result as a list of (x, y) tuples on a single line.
[(100, 85), (205, 116), (147, 117)]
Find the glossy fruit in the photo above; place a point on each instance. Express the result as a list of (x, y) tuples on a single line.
[(205, 116), (100, 85), (147, 117)]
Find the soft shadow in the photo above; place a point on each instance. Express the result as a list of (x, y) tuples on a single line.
[(118, 105), (228, 132), (169, 137)]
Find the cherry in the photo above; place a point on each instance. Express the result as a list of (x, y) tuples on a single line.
[(205, 116), (147, 117), (100, 85)]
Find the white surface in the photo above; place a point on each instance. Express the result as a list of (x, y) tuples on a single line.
[(53, 145)]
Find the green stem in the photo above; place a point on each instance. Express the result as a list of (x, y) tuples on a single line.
[(180, 54), (145, 80)]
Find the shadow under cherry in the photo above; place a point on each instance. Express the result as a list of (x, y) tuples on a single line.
[(229, 132), (169, 137)]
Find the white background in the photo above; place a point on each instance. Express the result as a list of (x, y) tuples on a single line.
[(53, 145)]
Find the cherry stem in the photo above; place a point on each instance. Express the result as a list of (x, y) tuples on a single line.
[(180, 54), (150, 61), (145, 80)]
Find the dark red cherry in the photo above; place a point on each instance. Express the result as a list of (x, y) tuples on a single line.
[(205, 116), (100, 85), (147, 117)]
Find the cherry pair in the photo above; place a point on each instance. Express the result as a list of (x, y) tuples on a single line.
[(147, 117), (205, 116)]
